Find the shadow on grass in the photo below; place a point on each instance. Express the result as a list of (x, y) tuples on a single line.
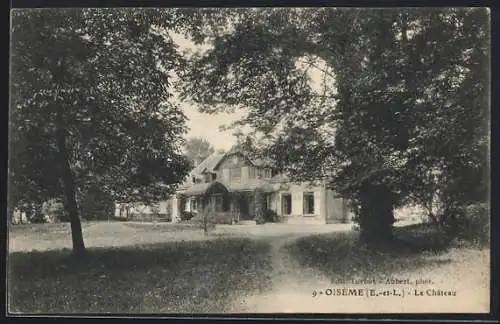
[(342, 256), (180, 277)]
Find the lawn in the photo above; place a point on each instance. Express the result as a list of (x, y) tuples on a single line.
[(43, 237), (420, 252), (175, 277)]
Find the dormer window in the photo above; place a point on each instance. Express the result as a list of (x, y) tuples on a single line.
[(207, 177)]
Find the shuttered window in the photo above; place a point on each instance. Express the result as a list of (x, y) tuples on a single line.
[(308, 203)]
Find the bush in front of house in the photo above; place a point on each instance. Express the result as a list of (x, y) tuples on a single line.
[(213, 218), (187, 215), (204, 220), (270, 216)]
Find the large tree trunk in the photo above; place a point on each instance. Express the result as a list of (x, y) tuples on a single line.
[(376, 215), (68, 182), (10, 213)]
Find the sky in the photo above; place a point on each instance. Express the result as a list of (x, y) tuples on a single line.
[(205, 125)]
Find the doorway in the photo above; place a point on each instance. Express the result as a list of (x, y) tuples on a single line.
[(245, 207), (286, 204)]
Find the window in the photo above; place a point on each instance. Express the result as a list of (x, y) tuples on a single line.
[(235, 174), (214, 176), (194, 204), (219, 203), (252, 174), (264, 173), (308, 203)]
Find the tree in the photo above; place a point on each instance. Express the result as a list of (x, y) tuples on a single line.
[(402, 89), (95, 203), (90, 104), (54, 210), (198, 149)]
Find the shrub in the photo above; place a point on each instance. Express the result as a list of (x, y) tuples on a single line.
[(95, 204), (475, 223), (204, 220), (213, 218), (54, 209), (187, 215), (39, 218), (271, 216), (466, 223)]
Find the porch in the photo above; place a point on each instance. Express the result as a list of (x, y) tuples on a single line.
[(237, 204)]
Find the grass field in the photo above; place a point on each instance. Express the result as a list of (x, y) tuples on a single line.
[(176, 277), (141, 268), (43, 237), (420, 255), (419, 247)]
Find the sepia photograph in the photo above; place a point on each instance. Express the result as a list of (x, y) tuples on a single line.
[(267, 160)]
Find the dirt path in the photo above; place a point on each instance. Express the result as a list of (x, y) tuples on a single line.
[(292, 285)]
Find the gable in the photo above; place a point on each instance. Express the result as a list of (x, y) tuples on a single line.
[(207, 165), (232, 160)]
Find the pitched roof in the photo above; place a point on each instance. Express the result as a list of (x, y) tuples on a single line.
[(208, 164), (220, 186), (204, 188), (211, 162)]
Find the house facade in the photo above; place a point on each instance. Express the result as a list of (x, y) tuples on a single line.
[(228, 183)]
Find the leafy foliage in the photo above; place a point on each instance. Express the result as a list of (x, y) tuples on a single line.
[(96, 204), (91, 104), (270, 216), (198, 149), (259, 205), (402, 106), (54, 210), (474, 225), (187, 215)]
